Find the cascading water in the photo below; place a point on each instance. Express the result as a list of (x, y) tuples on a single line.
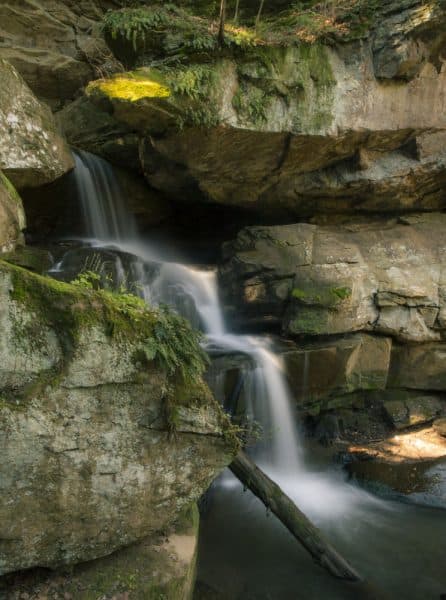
[(344, 511), (193, 293), (104, 214)]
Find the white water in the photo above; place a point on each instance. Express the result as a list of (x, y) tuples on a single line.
[(324, 496), (105, 216)]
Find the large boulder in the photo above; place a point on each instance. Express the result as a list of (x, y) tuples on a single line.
[(100, 448), (32, 151), (385, 276), (419, 367), (12, 216)]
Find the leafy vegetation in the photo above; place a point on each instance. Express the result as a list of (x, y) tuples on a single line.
[(176, 347), (163, 34)]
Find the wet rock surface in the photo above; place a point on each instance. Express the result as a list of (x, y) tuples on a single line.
[(410, 466)]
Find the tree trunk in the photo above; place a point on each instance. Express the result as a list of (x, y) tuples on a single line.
[(259, 14), (237, 6), (221, 27), (294, 520)]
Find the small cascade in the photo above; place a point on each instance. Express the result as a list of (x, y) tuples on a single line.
[(104, 214)]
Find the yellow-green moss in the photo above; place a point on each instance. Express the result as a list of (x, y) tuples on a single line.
[(130, 88)]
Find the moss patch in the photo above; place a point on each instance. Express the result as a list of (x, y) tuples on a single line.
[(131, 88), (325, 296)]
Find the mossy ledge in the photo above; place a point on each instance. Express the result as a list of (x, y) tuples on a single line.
[(156, 335)]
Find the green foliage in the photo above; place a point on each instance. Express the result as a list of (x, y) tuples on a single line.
[(250, 102), (133, 24), (89, 280), (176, 347), (173, 344), (194, 81), (313, 20)]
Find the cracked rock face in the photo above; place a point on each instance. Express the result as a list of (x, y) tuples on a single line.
[(32, 151), (89, 460), (385, 277)]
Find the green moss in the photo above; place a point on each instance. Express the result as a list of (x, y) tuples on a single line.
[(162, 336), (321, 295), (298, 294), (342, 292), (308, 321), (251, 103), (13, 193)]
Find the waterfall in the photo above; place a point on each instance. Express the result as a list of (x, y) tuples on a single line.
[(104, 214), (193, 293)]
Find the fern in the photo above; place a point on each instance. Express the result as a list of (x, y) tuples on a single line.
[(176, 347)]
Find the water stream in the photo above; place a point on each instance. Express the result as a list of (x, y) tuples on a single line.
[(245, 554)]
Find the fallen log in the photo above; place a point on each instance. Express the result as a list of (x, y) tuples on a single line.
[(294, 519)]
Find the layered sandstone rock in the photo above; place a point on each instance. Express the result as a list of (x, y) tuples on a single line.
[(385, 276), (288, 131)]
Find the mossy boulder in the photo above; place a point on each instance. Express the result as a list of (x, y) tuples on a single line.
[(101, 444)]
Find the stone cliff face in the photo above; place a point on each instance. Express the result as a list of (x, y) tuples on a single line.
[(96, 453), (383, 277), (287, 131)]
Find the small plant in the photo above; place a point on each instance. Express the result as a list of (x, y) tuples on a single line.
[(88, 280), (134, 23), (176, 347), (194, 81), (251, 102)]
